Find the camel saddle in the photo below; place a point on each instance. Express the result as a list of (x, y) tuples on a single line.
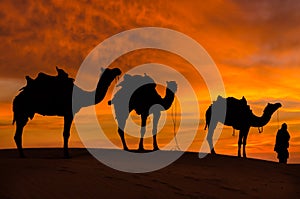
[(238, 109), (45, 81), (130, 84)]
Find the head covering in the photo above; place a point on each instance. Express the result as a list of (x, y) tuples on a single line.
[(284, 126)]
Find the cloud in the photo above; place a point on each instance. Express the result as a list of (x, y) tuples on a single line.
[(255, 45), (39, 35)]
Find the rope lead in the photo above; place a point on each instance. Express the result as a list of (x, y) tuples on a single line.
[(174, 119)]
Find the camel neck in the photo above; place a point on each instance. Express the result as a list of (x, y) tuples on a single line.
[(168, 99), (262, 120), (89, 98), (101, 89)]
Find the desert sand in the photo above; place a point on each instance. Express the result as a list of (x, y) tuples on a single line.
[(45, 174)]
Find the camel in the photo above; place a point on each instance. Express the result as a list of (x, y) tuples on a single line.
[(52, 96), (138, 93), (240, 117)]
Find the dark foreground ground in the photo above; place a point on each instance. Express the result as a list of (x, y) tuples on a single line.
[(44, 174)]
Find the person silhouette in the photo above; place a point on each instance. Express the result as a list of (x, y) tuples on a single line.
[(282, 144)]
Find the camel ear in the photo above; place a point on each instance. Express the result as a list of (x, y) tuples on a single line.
[(102, 69)]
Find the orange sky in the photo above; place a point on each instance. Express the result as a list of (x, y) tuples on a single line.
[(254, 44)]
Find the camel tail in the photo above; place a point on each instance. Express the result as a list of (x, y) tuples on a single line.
[(205, 126)]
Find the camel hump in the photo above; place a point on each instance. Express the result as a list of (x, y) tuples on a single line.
[(130, 84), (236, 110), (46, 81), (232, 101), (61, 76), (131, 81), (234, 104), (239, 106), (237, 102)]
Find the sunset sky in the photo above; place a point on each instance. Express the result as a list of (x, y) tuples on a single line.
[(254, 44)]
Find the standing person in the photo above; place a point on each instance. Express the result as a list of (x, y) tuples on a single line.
[(282, 144)]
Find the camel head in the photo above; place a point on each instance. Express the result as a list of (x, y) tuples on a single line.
[(110, 74), (172, 85), (271, 108)]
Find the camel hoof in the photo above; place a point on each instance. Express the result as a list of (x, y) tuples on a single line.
[(155, 149), (213, 152), (141, 149), (22, 156), (67, 156)]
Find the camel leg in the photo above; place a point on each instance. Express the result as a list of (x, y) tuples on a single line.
[(121, 126), (20, 123), (245, 142), (240, 141), (156, 117), (209, 137), (66, 134), (143, 131)]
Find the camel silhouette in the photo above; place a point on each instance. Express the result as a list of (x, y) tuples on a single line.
[(240, 117), (52, 96), (138, 93)]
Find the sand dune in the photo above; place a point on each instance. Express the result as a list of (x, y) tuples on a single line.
[(44, 174)]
